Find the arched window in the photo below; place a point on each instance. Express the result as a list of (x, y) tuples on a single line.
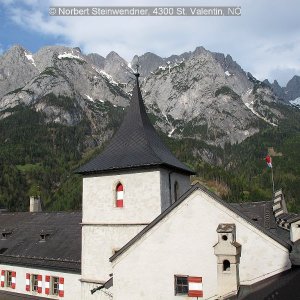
[(119, 195), (176, 190), (226, 265)]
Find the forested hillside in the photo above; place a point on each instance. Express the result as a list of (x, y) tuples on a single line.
[(38, 158)]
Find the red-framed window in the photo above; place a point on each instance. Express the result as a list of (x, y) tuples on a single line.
[(119, 195)]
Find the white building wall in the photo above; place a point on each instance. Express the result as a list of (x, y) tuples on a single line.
[(145, 192), (99, 242), (141, 198), (72, 285), (168, 179), (182, 243), (103, 294), (107, 228)]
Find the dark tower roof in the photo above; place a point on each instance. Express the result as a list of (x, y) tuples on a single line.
[(136, 144)]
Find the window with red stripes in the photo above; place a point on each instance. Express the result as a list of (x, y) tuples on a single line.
[(34, 282), (54, 285), (188, 285), (119, 195), (8, 279)]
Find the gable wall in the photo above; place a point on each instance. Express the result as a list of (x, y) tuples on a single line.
[(182, 243)]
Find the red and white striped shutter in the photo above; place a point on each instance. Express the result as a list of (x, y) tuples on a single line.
[(40, 279), (47, 285), (27, 282), (61, 292), (13, 280), (195, 286), (2, 278), (120, 195)]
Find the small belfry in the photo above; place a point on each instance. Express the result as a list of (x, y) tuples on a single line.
[(129, 184)]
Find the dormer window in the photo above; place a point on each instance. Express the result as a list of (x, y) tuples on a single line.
[(119, 195), (44, 236), (5, 234)]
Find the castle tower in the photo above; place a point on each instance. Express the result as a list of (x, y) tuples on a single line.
[(124, 188)]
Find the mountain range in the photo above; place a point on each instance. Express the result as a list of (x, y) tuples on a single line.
[(201, 97)]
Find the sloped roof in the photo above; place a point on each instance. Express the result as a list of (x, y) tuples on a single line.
[(261, 213), (135, 144), (23, 246), (278, 238), (278, 287), (6, 295)]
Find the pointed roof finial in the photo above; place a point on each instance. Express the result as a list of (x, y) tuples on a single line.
[(137, 74)]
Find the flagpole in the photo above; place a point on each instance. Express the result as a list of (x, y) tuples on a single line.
[(273, 181), (269, 163)]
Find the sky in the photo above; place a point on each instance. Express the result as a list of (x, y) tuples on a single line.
[(264, 40)]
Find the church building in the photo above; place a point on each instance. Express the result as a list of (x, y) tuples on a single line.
[(146, 233)]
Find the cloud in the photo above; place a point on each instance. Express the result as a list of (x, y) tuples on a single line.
[(264, 40)]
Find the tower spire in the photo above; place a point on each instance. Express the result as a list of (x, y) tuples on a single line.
[(137, 74), (136, 144)]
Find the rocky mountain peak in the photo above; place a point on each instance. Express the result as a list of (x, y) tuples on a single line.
[(292, 89), (15, 50), (199, 94), (117, 67), (17, 67), (77, 49), (148, 63), (96, 59), (200, 50), (275, 83), (111, 56)]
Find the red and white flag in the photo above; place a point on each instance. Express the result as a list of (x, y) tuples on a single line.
[(269, 161)]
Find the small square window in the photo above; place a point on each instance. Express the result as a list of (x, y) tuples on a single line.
[(181, 285), (54, 285), (34, 282)]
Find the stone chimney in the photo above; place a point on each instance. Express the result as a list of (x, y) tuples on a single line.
[(35, 204), (295, 239), (295, 230), (228, 253)]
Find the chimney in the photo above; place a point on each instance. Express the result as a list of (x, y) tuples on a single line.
[(228, 253), (35, 204), (295, 239), (295, 230)]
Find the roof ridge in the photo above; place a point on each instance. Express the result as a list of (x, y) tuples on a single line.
[(193, 188)]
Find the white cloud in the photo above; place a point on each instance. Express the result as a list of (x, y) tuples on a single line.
[(264, 40)]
